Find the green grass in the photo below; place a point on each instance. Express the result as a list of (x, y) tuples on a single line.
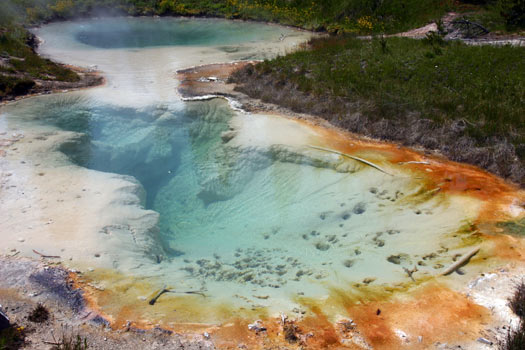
[(467, 101), (498, 16), (22, 66), (22, 58), (356, 16), (341, 16), (483, 85)]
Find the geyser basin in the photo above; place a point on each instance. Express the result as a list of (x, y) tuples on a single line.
[(252, 214), (245, 210)]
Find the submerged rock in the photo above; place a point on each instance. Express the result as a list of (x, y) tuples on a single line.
[(348, 263), (322, 246)]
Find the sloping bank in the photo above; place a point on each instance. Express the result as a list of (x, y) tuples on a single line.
[(465, 102)]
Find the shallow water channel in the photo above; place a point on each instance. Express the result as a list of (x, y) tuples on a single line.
[(234, 205)]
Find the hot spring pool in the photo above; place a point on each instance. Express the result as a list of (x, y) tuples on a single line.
[(134, 187)]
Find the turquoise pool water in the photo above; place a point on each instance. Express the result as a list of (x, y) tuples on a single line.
[(241, 212), (128, 33)]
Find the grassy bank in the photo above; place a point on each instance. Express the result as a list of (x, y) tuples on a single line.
[(21, 67), (337, 16), (467, 101), (498, 16), (357, 16)]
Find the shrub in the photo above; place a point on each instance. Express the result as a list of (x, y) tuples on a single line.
[(517, 302), (514, 339), (39, 314), (514, 13)]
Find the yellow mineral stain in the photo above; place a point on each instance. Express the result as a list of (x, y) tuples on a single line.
[(126, 298)]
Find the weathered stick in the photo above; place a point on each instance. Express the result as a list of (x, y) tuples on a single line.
[(191, 292), (354, 158), (46, 256), (410, 273), (460, 262), (154, 299), (51, 343), (167, 290), (414, 162)]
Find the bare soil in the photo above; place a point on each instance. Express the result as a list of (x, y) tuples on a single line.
[(27, 283)]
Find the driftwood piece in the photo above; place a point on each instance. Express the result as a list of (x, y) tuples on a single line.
[(461, 261), (157, 296), (414, 162), (410, 273), (51, 343), (369, 163), (46, 256), (167, 290)]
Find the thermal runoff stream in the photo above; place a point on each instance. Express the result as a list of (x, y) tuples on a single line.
[(253, 214)]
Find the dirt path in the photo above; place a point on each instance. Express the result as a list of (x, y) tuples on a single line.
[(454, 33)]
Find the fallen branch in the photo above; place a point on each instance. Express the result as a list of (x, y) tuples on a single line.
[(157, 296), (167, 290), (414, 162), (354, 158), (411, 272), (51, 343), (191, 292), (46, 256), (460, 262)]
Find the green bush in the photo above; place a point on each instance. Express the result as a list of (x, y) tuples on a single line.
[(513, 11), (13, 86)]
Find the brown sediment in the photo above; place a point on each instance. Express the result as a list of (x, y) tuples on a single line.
[(416, 319), (196, 81), (128, 300)]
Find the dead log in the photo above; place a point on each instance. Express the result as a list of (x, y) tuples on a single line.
[(460, 262), (369, 163), (167, 290), (46, 256)]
